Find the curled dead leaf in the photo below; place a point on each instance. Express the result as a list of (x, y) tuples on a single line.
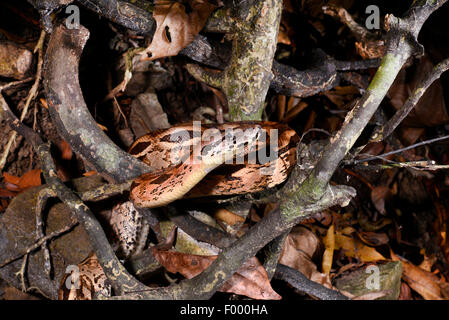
[(373, 238), (85, 281), (250, 280), (428, 285), (299, 248), (329, 243), (379, 196), (356, 249), (18, 184), (177, 26)]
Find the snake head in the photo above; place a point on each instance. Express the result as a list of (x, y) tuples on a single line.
[(234, 144)]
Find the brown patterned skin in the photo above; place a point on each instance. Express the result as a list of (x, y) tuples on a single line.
[(174, 178)]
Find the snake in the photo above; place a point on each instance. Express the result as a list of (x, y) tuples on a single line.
[(192, 161)]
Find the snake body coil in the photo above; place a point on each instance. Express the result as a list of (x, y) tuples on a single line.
[(197, 161)]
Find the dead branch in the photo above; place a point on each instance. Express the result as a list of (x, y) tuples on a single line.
[(120, 279), (70, 114), (301, 283), (412, 100), (246, 79)]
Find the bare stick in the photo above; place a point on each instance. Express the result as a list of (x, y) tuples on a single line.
[(412, 100), (303, 284), (42, 198), (31, 95), (39, 243), (422, 143)]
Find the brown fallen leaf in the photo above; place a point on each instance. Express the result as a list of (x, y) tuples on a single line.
[(90, 173), (406, 292), (66, 150), (189, 265), (250, 280), (428, 285), (18, 184), (379, 196), (356, 249), (430, 111), (6, 193), (85, 281), (299, 248), (177, 26), (227, 216), (329, 243), (373, 238), (3, 204)]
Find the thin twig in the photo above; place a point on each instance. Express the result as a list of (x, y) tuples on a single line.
[(31, 95), (303, 284), (42, 198), (39, 243), (22, 272), (412, 100), (416, 165), (401, 150)]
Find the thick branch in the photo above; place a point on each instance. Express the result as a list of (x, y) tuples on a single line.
[(136, 16), (246, 79), (70, 114), (321, 74)]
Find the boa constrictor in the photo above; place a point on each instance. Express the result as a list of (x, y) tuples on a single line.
[(197, 161)]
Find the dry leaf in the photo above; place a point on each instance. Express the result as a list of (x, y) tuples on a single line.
[(229, 217), (372, 238), (18, 184), (3, 204), (428, 285), (283, 36), (85, 281), (189, 265), (370, 49), (356, 249), (428, 262), (11, 179), (177, 26), (329, 243), (299, 248), (6, 193), (66, 150), (406, 292), (90, 173), (250, 280), (430, 110), (379, 196), (44, 103)]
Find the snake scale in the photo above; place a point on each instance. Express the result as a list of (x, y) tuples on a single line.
[(208, 160)]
